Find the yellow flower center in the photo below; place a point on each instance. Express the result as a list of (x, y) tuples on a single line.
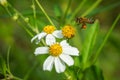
[(55, 49), (49, 29), (68, 31)]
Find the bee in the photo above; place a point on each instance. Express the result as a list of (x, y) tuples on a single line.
[(83, 21)]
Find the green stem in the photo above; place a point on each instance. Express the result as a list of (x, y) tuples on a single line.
[(34, 15), (68, 77), (8, 55), (88, 44), (34, 9), (8, 67), (27, 30), (43, 41), (77, 10), (30, 26), (30, 71), (91, 8), (8, 11), (19, 21), (16, 78), (66, 11), (40, 6), (105, 39)]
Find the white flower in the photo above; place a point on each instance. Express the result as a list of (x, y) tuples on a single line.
[(59, 55), (49, 33)]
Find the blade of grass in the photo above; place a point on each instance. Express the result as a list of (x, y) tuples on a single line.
[(6, 68), (105, 8), (8, 65), (8, 11), (30, 71), (91, 8), (27, 30), (66, 11), (3, 66), (77, 10), (40, 6), (105, 39), (34, 15), (88, 43)]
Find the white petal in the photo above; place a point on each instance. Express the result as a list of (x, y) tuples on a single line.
[(41, 50), (70, 50), (58, 34), (67, 59), (41, 35), (34, 38), (50, 39), (59, 66), (64, 43), (48, 64)]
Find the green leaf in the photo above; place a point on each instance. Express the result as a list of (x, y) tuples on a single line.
[(57, 11), (30, 71), (105, 8), (91, 8), (81, 4), (105, 39), (3, 66), (93, 73), (89, 42), (1, 76)]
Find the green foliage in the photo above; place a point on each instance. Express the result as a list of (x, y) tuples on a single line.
[(89, 42), (93, 42), (93, 73)]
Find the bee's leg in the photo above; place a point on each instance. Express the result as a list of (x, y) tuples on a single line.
[(83, 26)]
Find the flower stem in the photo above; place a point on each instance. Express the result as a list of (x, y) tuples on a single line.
[(43, 42), (34, 16), (8, 67), (8, 11), (17, 78), (8, 55), (67, 75), (30, 26), (40, 6), (25, 28)]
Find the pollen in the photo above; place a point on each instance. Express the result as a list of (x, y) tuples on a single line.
[(49, 29), (68, 31), (55, 49)]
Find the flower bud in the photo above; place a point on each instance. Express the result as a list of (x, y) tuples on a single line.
[(15, 17), (27, 19), (3, 2)]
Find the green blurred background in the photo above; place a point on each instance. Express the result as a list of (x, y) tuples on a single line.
[(22, 59)]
